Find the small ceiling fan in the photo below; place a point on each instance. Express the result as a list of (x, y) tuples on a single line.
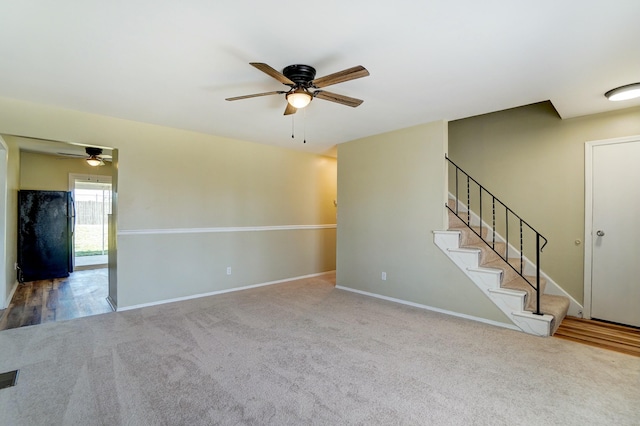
[(302, 84), (94, 158)]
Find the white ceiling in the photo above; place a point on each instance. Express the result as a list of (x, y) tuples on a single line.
[(174, 62)]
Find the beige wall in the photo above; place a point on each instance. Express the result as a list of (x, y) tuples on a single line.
[(51, 173), (534, 162), (176, 187), (391, 190)]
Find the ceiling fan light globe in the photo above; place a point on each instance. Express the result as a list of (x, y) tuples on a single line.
[(299, 98), (94, 161)]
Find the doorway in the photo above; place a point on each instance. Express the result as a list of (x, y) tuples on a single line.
[(92, 205), (5, 283), (612, 232)]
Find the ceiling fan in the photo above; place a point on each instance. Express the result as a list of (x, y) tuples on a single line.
[(94, 156), (302, 84)]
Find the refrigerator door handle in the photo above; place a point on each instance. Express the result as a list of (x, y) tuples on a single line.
[(73, 215)]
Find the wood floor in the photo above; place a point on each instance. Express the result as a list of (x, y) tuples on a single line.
[(82, 294), (605, 335)]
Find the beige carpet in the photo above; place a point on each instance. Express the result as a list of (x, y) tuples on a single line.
[(306, 353)]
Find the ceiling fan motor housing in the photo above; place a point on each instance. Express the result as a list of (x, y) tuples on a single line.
[(302, 75), (93, 151)]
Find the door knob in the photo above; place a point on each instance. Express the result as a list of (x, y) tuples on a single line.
[(600, 233)]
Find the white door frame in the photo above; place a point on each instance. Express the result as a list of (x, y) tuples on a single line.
[(73, 177), (588, 212)]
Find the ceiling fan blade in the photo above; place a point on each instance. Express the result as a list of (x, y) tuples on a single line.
[(273, 73), (290, 109), (334, 97), (340, 77), (255, 95)]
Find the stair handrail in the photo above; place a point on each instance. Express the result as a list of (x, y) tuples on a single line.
[(508, 210)]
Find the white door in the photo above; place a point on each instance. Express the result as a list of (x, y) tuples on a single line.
[(615, 232)]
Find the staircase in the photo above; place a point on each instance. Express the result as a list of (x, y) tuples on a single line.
[(498, 280)]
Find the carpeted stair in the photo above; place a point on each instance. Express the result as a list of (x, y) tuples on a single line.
[(556, 306)]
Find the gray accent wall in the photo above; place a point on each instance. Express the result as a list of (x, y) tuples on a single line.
[(534, 161)]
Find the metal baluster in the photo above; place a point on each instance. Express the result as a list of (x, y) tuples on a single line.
[(493, 212), (506, 221), (457, 190), (468, 203), (521, 252), (538, 274), (480, 191)]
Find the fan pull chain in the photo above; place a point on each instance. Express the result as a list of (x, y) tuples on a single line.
[(304, 126)]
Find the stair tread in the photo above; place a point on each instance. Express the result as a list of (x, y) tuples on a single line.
[(556, 306), (467, 236), (508, 274), (488, 243), (519, 283), (531, 279), (488, 254)]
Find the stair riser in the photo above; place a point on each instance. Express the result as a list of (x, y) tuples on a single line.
[(524, 286), (488, 255), (470, 259)]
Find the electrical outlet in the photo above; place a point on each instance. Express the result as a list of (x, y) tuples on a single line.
[(228, 270), (384, 276)]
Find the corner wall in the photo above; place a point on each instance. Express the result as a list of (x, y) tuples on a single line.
[(534, 161), (9, 206), (391, 196)]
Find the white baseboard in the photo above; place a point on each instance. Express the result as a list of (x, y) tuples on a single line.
[(10, 296), (431, 308), (213, 293), (112, 303)]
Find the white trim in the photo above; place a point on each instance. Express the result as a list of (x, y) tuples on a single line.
[(87, 177), (588, 212), (112, 303), (223, 229), (11, 293), (431, 308), (4, 198), (213, 293)]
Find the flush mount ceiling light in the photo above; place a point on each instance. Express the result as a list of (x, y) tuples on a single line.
[(299, 98), (623, 93)]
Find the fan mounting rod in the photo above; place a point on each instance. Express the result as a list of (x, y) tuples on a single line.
[(300, 74), (93, 151)]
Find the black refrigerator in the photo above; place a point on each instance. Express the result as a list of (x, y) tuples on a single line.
[(45, 235)]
